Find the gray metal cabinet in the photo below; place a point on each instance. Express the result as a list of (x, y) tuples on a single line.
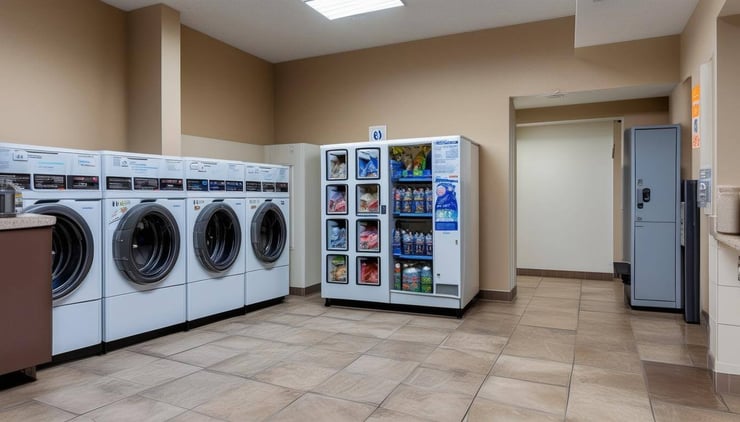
[(651, 215)]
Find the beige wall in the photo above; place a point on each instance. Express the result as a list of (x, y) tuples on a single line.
[(63, 73), (459, 84), (198, 146), (226, 93)]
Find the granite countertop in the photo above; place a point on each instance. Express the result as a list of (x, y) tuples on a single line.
[(26, 221)]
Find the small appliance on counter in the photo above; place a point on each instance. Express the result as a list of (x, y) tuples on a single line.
[(11, 199)]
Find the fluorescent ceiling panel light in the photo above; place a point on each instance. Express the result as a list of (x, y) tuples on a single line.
[(335, 9)]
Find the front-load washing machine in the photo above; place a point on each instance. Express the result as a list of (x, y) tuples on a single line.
[(65, 184), (144, 254), (268, 216), (216, 212)]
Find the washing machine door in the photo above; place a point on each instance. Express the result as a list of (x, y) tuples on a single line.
[(71, 245), (146, 243), (269, 232), (217, 237)]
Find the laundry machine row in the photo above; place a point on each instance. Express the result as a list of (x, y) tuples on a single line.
[(146, 245)]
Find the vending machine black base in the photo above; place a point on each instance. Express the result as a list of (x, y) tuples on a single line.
[(690, 251)]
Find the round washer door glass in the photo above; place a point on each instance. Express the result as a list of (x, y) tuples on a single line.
[(146, 243), (269, 232), (72, 248), (217, 237)]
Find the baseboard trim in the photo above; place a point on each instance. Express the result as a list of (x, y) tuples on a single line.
[(726, 383), (305, 291), (498, 295), (583, 275)]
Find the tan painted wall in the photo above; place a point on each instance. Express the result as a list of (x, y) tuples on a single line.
[(198, 146), (459, 84), (63, 73), (226, 93)]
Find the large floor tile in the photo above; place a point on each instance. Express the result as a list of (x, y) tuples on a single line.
[(427, 335), (313, 407), (347, 343), (33, 411), (394, 370), (618, 307), (668, 412), (191, 416), (677, 354), (484, 410), (460, 360), (387, 415), (252, 401), (682, 385), (528, 281), (249, 363), (428, 403), (732, 401), (443, 380), (295, 375), (237, 343), (135, 408), (86, 397), (563, 320), (48, 380), (195, 389), (603, 356), (370, 328), (542, 343), (561, 292), (602, 394), (553, 304), (357, 387), (489, 326), (531, 395), (176, 343), (347, 313), (206, 355), (474, 341), (156, 373), (536, 370), (323, 358), (112, 362), (402, 350)]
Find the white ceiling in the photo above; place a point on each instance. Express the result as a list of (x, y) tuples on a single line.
[(282, 30)]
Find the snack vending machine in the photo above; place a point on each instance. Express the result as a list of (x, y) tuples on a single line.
[(400, 222)]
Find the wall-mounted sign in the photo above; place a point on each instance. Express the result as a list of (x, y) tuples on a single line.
[(377, 133), (695, 111)]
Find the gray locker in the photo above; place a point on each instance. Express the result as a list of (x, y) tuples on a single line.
[(651, 215)]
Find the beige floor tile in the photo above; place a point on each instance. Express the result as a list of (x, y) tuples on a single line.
[(618, 340), (460, 360), (608, 319), (472, 341), (266, 330), (489, 326), (357, 387), (682, 385), (135, 408), (535, 370), (441, 380), (347, 343), (88, 396), (666, 353), (427, 335), (491, 309), (484, 410), (390, 317), (229, 326), (194, 389), (528, 281), (333, 325), (562, 292), (47, 380), (304, 335), (387, 415), (323, 357), (33, 411), (238, 343), (296, 375), (563, 320), (698, 355), (252, 401), (542, 343), (439, 322), (602, 394), (695, 334), (112, 362), (288, 319), (156, 373), (732, 401), (347, 313), (531, 395), (430, 404), (176, 343), (553, 304), (304, 308), (206, 355), (618, 307), (402, 350), (522, 291), (191, 416), (667, 412), (251, 362), (602, 356), (313, 407), (370, 328), (394, 370)]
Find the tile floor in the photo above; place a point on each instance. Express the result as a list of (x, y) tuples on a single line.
[(563, 350)]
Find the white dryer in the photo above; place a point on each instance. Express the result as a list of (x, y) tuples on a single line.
[(268, 216), (216, 213), (65, 183), (144, 255)]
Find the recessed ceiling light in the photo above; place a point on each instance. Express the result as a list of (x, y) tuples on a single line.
[(335, 9)]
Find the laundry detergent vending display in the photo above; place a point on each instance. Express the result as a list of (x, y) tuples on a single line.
[(400, 222)]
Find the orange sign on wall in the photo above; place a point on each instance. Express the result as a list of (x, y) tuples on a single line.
[(695, 112)]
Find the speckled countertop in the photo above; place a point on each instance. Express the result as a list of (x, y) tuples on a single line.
[(26, 221)]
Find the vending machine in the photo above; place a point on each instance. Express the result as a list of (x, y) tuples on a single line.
[(400, 222)]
